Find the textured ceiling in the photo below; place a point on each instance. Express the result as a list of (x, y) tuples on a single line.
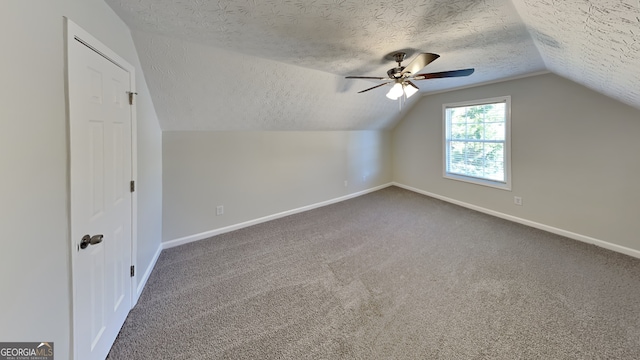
[(279, 65), (198, 87), (594, 43)]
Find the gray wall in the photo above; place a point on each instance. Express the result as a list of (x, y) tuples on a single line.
[(35, 270), (257, 174), (574, 157)]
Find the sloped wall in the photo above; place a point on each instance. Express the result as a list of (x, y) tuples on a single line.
[(574, 157), (202, 88)]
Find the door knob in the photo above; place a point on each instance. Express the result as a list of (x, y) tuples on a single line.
[(90, 240)]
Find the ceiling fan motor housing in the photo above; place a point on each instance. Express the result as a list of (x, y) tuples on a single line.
[(395, 73)]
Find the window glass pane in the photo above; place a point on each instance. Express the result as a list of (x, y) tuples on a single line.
[(458, 131), (494, 161), (496, 112), (475, 131), (494, 131), (457, 115), (456, 151), (474, 161)]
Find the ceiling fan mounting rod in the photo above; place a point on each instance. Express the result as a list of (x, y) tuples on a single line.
[(399, 57)]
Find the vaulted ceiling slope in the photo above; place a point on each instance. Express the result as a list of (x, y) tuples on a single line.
[(280, 65), (199, 87)]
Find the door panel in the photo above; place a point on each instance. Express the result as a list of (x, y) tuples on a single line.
[(100, 148), (96, 163), (96, 280), (119, 277)]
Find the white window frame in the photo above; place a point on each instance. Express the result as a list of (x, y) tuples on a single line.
[(504, 185)]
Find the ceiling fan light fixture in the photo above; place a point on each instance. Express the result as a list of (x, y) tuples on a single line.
[(396, 91), (409, 90)]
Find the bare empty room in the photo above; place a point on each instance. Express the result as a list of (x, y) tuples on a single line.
[(320, 179)]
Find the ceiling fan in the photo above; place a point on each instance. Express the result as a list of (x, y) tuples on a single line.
[(401, 76)]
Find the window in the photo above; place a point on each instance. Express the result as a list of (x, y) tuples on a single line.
[(477, 142)]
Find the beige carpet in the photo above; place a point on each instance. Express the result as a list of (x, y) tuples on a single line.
[(389, 275)]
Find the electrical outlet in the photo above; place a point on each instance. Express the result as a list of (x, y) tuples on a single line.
[(346, 183), (219, 210), (517, 200)]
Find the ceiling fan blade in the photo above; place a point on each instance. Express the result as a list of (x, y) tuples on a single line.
[(419, 63), (444, 74), (377, 86), (365, 77), (412, 84)]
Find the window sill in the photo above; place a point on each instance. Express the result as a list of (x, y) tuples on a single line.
[(494, 184)]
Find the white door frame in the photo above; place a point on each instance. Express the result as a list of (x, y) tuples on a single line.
[(76, 33)]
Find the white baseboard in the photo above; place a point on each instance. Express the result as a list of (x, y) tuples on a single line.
[(143, 280), (210, 233), (551, 229)]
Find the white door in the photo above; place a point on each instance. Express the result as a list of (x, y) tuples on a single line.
[(100, 148)]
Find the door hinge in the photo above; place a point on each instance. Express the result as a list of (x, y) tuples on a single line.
[(133, 270), (132, 186), (131, 96)]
